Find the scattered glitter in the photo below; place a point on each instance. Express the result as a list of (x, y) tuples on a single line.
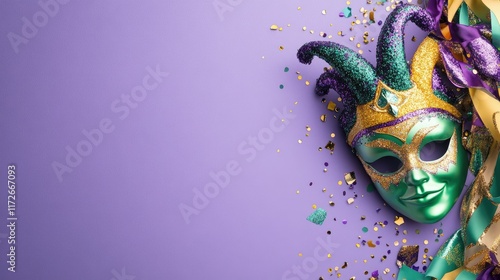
[(350, 200), (282, 86), (323, 12), (282, 48), (317, 217), (299, 141), (323, 118), (286, 69), (331, 203), (426, 242), (339, 183), (274, 27), (364, 229)]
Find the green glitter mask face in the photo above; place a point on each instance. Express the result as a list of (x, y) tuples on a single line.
[(418, 166)]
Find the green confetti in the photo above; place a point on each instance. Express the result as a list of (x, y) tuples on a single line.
[(318, 217)]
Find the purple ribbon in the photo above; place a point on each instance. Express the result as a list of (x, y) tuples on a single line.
[(482, 69), (487, 273)]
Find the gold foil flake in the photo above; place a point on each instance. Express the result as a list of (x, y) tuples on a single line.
[(350, 178), (329, 255), (331, 203), (371, 244), (304, 28), (396, 243), (300, 254), (299, 77), (311, 31), (274, 27), (399, 220), (307, 83), (297, 192), (299, 141), (282, 48), (350, 200), (339, 183), (314, 206), (323, 118), (323, 12), (330, 146), (404, 240), (426, 242), (299, 8), (331, 106), (308, 128)]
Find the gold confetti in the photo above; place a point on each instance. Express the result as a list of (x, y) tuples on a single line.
[(282, 48), (274, 27), (323, 12), (399, 220), (339, 183), (314, 206), (323, 118), (331, 106), (332, 135), (350, 200), (299, 141), (330, 146), (350, 178)]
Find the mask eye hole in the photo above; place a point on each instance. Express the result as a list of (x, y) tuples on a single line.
[(387, 164), (434, 150)]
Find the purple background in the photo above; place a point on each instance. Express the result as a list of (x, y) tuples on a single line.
[(116, 214)]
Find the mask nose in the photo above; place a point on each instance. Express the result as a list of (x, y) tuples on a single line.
[(416, 177)]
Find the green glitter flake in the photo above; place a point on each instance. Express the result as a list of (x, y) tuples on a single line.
[(347, 12), (282, 86), (286, 69), (364, 229), (318, 217)]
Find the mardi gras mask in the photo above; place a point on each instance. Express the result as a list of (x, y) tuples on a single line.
[(400, 121)]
